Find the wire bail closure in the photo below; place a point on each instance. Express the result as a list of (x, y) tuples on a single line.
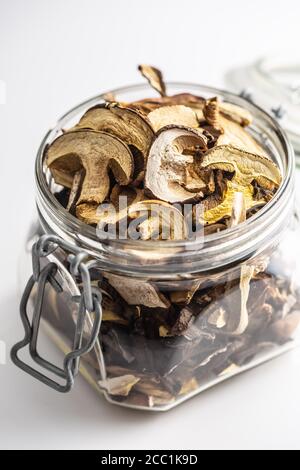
[(89, 302)]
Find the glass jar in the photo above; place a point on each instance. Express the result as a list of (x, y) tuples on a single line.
[(152, 323), (274, 84)]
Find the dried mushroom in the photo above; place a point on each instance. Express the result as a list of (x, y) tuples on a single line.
[(126, 124), (177, 115), (211, 112), (237, 114), (120, 386), (154, 77), (136, 292), (123, 165), (246, 168), (236, 135), (112, 212), (96, 153), (161, 221), (169, 169)]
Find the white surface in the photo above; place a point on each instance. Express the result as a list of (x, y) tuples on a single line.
[(53, 54)]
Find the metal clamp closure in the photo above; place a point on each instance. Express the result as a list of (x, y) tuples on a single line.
[(89, 302)]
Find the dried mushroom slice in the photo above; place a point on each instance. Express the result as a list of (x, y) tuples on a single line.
[(247, 168), (236, 113), (119, 386), (211, 112), (246, 276), (126, 124), (177, 115), (169, 169), (111, 213), (96, 153), (239, 212), (154, 77), (234, 134), (136, 292), (161, 220), (145, 106)]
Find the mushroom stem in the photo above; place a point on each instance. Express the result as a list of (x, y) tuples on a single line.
[(75, 190), (211, 113)]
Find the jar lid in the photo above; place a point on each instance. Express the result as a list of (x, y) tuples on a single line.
[(273, 83)]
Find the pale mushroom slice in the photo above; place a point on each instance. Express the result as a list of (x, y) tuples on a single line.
[(96, 153), (169, 169), (160, 220), (177, 115), (137, 292), (247, 167), (119, 386), (237, 136), (236, 113), (126, 124), (247, 272), (154, 77)]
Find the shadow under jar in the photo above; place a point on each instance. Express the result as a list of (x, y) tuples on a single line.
[(189, 317)]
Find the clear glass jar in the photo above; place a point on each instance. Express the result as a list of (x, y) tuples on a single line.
[(176, 318), (274, 84)]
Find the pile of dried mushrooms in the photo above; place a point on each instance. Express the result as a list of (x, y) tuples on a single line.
[(163, 341)]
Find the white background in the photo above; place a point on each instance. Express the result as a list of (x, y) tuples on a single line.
[(54, 54)]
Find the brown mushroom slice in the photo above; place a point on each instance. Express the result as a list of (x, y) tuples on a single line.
[(211, 112), (119, 386), (147, 105), (111, 213), (132, 194), (236, 113), (126, 124), (168, 168), (163, 222), (154, 77), (136, 292), (246, 167), (177, 115), (97, 153)]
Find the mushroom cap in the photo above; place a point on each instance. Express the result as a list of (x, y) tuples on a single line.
[(126, 124), (177, 115), (167, 166), (97, 153), (246, 166), (163, 222)]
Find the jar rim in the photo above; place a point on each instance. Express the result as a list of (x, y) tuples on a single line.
[(83, 233)]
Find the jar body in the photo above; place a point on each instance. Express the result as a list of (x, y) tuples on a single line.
[(164, 340), (175, 320)]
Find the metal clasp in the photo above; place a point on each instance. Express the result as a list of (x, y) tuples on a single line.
[(89, 302)]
